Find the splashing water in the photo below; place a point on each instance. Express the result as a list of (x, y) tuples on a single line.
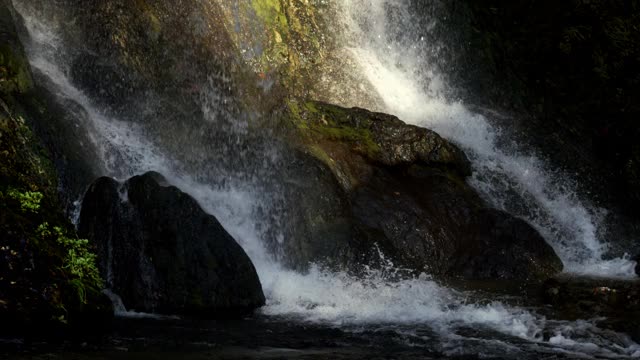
[(321, 296), (394, 55)]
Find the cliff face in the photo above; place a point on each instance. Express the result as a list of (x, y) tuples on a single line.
[(572, 68)]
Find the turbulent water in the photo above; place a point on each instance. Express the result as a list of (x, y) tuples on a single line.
[(395, 56), (457, 323)]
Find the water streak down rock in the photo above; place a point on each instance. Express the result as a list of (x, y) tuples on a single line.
[(162, 253)]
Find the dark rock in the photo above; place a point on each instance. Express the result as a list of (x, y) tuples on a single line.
[(637, 259), (15, 73), (400, 192), (504, 247), (434, 224), (615, 302), (63, 118), (378, 138), (162, 253), (319, 216), (101, 79)]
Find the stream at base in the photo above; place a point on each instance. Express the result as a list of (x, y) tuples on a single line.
[(277, 337)]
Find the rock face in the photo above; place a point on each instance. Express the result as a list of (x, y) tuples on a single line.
[(637, 259), (567, 65), (15, 74), (162, 253), (403, 194)]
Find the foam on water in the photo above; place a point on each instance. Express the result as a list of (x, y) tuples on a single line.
[(394, 56), (321, 296)]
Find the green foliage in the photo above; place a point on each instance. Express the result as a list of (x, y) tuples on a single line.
[(271, 12), (79, 261), (43, 266), (334, 123), (29, 200)]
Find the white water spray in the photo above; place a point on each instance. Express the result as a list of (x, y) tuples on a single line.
[(320, 296), (393, 55)]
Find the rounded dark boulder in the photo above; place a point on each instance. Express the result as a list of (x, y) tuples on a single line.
[(502, 246), (162, 253), (424, 220)]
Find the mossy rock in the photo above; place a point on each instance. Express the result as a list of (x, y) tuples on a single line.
[(346, 139), (398, 191)]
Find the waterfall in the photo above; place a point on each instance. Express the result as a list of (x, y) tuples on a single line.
[(337, 298), (396, 56)]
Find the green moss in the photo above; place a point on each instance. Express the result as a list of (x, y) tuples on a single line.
[(317, 123), (334, 123), (319, 153), (270, 11), (311, 107)]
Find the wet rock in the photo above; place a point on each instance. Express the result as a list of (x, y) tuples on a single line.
[(100, 78), (319, 224), (504, 247), (438, 225), (616, 302), (15, 73), (162, 253), (407, 201), (379, 139)]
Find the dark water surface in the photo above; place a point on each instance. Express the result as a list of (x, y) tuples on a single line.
[(265, 337)]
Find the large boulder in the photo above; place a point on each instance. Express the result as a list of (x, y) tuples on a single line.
[(162, 253), (399, 191)]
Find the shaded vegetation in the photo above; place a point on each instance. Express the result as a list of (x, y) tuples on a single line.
[(47, 275)]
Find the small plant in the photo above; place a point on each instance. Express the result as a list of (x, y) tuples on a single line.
[(29, 200), (79, 261)]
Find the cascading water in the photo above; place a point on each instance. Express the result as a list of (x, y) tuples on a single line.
[(395, 55), (335, 298)]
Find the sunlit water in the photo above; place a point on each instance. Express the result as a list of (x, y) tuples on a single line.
[(394, 55), (372, 302)]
